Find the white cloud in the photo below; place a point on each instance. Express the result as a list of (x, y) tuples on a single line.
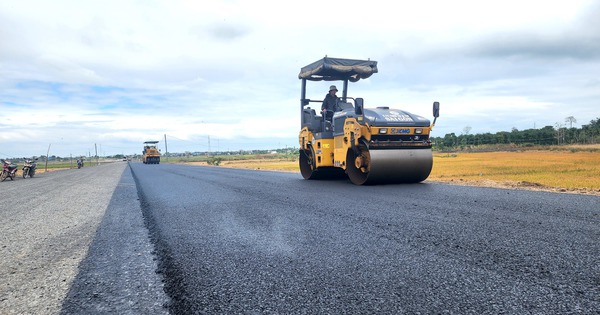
[(77, 73)]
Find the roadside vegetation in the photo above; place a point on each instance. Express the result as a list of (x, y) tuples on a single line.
[(557, 135)]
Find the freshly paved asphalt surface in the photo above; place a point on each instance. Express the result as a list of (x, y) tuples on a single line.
[(233, 241)]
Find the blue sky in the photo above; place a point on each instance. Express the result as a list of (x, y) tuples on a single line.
[(80, 75)]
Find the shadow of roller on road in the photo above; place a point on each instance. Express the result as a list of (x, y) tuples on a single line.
[(119, 275)]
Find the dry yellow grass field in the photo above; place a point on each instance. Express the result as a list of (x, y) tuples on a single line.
[(561, 170)]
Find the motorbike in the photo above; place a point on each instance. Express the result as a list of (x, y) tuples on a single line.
[(29, 168), (79, 163), (8, 170)]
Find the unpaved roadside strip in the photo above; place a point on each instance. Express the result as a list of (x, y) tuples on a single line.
[(45, 231)]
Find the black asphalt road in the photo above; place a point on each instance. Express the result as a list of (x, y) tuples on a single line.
[(233, 241)]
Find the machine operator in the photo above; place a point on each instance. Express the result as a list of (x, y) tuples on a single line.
[(330, 103)]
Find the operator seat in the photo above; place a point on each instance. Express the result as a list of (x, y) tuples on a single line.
[(312, 120)]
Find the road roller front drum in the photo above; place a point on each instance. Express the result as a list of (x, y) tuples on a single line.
[(389, 166)]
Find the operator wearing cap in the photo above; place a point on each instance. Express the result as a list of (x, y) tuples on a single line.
[(330, 103)]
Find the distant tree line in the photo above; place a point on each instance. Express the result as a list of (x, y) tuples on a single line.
[(548, 135)]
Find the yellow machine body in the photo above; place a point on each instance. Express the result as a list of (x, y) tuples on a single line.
[(150, 154), (396, 163), (368, 145)]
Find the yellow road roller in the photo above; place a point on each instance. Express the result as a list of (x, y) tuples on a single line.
[(370, 146), (150, 154)]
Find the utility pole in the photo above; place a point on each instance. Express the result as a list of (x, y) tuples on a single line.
[(166, 150), (47, 152), (96, 148)]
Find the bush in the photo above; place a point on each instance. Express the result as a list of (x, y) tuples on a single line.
[(216, 161)]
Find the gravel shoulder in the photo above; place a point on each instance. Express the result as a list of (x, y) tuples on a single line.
[(45, 232)]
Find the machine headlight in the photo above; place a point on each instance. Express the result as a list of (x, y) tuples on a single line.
[(382, 130), (418, 131)]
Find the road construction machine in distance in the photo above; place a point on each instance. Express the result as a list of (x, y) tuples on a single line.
[(368, 145), (151, 154)]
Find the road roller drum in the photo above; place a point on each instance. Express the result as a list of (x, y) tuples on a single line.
[(392, 166)]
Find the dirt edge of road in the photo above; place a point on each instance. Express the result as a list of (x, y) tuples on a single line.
[(518, 185)]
